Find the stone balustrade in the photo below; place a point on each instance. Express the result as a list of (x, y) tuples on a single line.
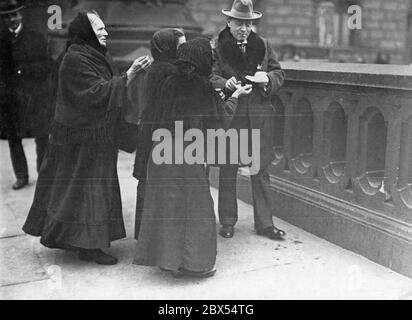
[(343, 166)]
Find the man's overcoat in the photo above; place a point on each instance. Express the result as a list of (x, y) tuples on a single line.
[(25, 68), (256, 110)]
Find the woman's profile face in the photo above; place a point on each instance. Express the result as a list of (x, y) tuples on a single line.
[(99, 29), (180, 41)]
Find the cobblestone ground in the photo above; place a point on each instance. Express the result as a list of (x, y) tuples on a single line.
[(248, 266)]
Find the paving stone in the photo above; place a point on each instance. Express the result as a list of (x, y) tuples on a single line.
[(8, 224), (19, 263)]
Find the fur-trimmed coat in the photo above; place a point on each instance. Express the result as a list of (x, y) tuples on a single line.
[(255, 111)]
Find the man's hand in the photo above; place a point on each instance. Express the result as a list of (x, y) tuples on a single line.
[(232, 84), (242, 91)]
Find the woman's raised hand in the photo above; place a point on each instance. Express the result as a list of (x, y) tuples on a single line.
[(139, 64)]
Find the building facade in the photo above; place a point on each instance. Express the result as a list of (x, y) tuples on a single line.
[(318, 28)]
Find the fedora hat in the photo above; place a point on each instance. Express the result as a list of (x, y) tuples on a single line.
[(242, 10), (10, 6)]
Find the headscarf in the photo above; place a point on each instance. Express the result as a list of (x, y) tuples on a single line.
[(198, 53), (163, 45), (81, 32), (188, 94)]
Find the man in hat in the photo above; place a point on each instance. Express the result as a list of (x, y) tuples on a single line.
[(24, 98), (239, 54)]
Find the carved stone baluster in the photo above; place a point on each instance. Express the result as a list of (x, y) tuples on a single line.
[(405, 152), (288, 134), (352, 144), (318, 158), (362, 146), (392, 157)]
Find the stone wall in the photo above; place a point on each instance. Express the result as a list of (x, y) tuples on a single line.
[(294, 22), (208, 14), (385, 26)]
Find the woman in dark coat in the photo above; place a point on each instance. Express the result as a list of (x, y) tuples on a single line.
[(178, 228), (163, 47), (77, 202)]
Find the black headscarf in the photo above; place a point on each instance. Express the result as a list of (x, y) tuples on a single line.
[(81, 32), (198, 53), (188, 94), (163, 45)]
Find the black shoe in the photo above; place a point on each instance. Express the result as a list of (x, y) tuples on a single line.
[(272, 233), (227, 231), (98, 256), (184, 273), (20, 183)]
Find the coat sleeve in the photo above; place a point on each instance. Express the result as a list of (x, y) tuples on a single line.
[(275, 73), (83, 84), (39, 64), (226, 111), (216, 78)]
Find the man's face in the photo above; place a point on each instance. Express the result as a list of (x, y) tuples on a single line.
[(240, 29), (13, 20), (99, 28)]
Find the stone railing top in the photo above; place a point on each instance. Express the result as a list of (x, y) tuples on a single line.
[(352, 74)]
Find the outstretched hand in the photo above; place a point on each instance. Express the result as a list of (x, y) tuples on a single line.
[(242, 91), (138, 65), (231, 84)]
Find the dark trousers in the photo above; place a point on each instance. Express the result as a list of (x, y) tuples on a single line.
[(262, 202), (18, 158)]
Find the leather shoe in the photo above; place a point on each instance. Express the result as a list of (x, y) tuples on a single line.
[(272, 233), (20, 183), (98, 256), (227, 231), (184, 273)]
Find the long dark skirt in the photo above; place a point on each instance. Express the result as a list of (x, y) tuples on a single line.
[(178, 226), (77, 199)]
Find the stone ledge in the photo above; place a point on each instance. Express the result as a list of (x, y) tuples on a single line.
[(352, 74)]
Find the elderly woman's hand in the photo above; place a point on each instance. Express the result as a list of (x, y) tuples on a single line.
[(139, 64)]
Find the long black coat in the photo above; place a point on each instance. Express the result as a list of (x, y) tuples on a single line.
[(77, 202), (25, 68)]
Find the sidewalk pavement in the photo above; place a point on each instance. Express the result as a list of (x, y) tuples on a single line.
[(248, 266)]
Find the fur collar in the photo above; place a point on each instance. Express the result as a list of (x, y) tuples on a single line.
[(231, 54)]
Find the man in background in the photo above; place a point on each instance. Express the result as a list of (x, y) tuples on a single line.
[(24, 88)]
